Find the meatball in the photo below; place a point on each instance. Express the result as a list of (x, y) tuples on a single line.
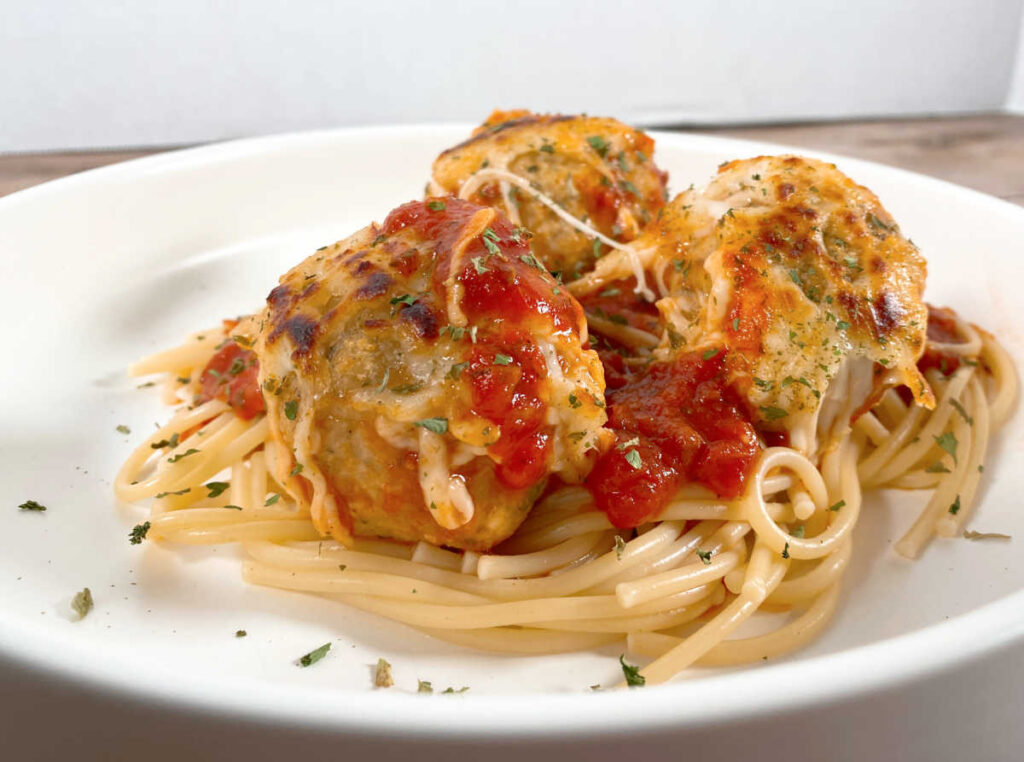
[(429, 375), (598, 170)]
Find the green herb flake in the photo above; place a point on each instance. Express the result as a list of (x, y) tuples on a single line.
[(382, 676), (139, 532), (938, 467), (479, 266), (82, 603), (836, 506), (947, 442), (491, 246), (798, 532), (599, 144), (574, 402), (972, 535), (772, 413), (500, 359), (708, 354), (240, 633), (216, 488), (620, 545), (271, 500), (963, 413), (632, 674), (179, 492), (296, 470), (32, 505), (455, 372), (436, 425), (405, 299), (122, 429), (291, 409), (436, 206), (172, 442), (314, 656), (450, 689), (955, 507), (179, 456), (424, 686), (785, 551), (634, 459), (704, 556)]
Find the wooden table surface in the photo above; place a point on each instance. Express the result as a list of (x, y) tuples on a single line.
[(981, 152)]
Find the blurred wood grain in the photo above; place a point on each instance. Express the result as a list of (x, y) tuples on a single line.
[(982, 152)]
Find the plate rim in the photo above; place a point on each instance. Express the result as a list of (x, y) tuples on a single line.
[(889, 663)]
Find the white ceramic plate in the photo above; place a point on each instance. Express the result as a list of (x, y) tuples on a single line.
[(104, 267)]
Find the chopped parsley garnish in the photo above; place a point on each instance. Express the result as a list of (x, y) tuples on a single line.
[(82, 602), (709, 353), (216, 488), (231, 507), (437, 425), (574, 401), (478, 264), (450, 689), (842, 325), (236, 367), (597, 248), (628, 443), (798, 531), (139, 532), (490, 239), (455, 331), (406, 299), (972, 535), (179, 456), (296, 470), (610, 292), (172, 442), (424, 686), (32, 505), (383, 678), (938, 467), (735, 324), (291, 409), (627, 186), (837, 506), (876, 223), (314, 656), (960, 409), (240, 633), (271, 500), (772, 413), (955, 507), (500, 359), (599, 144), (762, 384), (634, 459), (436, 206), (179, 492), (456, 370), (377, 240), (532, 261), (632, 674), (546, 148), (948, 443), (122, 429), (785, 551), (704, 556), (620, 545)]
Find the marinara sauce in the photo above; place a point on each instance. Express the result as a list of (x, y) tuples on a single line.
[(232, 375), (511, 299), (678, 422)]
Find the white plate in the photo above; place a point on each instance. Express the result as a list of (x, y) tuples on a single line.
[(107, 266)]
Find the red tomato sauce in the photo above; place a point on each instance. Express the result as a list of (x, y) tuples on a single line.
[(941, 328), (676, 423), (232, 375), (506, 293)]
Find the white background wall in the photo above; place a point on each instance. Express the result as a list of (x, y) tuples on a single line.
[(76, 74)]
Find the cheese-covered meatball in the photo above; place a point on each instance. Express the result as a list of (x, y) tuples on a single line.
[(429, 376), (597, 170)]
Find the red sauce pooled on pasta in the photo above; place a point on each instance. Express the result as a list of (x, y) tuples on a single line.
[(232, 375), (679, 422)]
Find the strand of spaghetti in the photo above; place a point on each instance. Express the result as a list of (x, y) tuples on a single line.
[(898, 437), (1004, 378), (936, 423), (630, 594), (246, 531), (461, 613), (539, 562), (624, 334), (942, 500), (698, 510), (638, 623), (574, 526), (372, 584), (915, 480), (970, 347), (827, 573), (240, 495), (634, 261), (567, 583), (779, 540), (670, 556), (258, 478), (764, 572), (771, 645), (227, 446), (952, 524), (872, 428), (524, 640), (132, 467), (192, 354)]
